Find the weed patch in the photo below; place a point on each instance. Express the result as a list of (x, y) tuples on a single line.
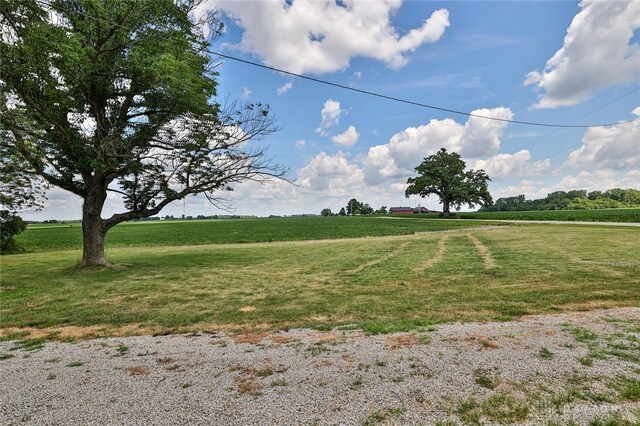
[(138, 370)]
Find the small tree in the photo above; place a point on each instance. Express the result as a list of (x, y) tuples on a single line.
[(382, 210), (10, 226), (366, 209), (326, 212), (352, 206), (342, 212), (109, 95), (443, 174)]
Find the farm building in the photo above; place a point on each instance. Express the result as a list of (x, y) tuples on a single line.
[(401, 210), (409, 210)]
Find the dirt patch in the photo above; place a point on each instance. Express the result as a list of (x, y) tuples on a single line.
[(384, 258), (401, 340), (442, 246), (484, 251), (251, 338)]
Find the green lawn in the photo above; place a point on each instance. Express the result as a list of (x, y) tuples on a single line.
[(602, 215), (196, 232), (378, 283)]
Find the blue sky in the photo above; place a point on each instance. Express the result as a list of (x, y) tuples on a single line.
[(541, 61)]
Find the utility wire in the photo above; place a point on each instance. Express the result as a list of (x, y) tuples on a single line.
[(580, 118), (367, 92), (406, 101), (558, 130)]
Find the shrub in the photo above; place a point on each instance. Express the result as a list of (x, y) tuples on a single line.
[(10, 226)]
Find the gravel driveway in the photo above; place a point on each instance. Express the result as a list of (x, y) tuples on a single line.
[(568, 367)]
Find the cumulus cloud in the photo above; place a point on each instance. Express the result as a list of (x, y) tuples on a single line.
[(330, 172), (474, 139), (246, 93), (590, 180), (597, 52), (322, 36), (301, 143), (501, 166), (284, 88), (329, 116), (614, 147), (349, 137)]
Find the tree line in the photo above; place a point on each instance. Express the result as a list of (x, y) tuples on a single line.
[(570, 200), (354, 207)]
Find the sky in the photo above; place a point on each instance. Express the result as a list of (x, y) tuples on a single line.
[(543, 61)]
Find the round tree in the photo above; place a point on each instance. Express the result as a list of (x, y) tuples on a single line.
[(443, 174), (113, 95)]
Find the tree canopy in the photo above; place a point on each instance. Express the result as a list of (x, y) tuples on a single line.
[(570, 200), (116, 95), (443, 174)]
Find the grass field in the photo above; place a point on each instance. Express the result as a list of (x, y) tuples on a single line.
[(196, 232), (603, 215), (378, 283)]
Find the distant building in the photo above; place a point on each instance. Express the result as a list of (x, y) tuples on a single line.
[(400, 210), (410, 210)]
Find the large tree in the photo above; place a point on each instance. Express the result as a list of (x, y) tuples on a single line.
[(443, 174), (118, 95)]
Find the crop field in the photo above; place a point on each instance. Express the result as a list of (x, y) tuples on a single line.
[(226, 231), (602, 215), (378, 283)]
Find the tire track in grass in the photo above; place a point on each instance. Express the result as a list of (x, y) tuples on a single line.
[(384, 258), (442, 246), (484, 251)]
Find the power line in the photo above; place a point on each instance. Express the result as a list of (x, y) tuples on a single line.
[(409, 102), (369, 93), (580, 118), (558, 130)]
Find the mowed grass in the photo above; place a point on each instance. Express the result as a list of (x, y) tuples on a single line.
[(381, 284), (601, 215), (196, 232)]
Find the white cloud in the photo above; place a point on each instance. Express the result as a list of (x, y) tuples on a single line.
[(246, 93), (596, 53), (614, 147), (301, 143), (284, 88), (308, 36), (501, 166), (529, 188), (332, 173), (600, 179), (349, 137), (476, 138), (357, 74), (330, 116)]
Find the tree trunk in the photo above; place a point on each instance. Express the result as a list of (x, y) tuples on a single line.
[(445, 208), (93, 229)]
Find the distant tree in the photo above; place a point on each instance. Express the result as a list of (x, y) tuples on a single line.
[(615, 194), (632, 196), (342, 212), (594, 195), (118, 96), (382, 210), (326, 212), (366, 209), (353, 205), (443, 174)]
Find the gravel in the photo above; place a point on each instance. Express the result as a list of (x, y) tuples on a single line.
[(530, 371)]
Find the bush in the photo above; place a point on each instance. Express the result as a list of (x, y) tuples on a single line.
[(10, 226)]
